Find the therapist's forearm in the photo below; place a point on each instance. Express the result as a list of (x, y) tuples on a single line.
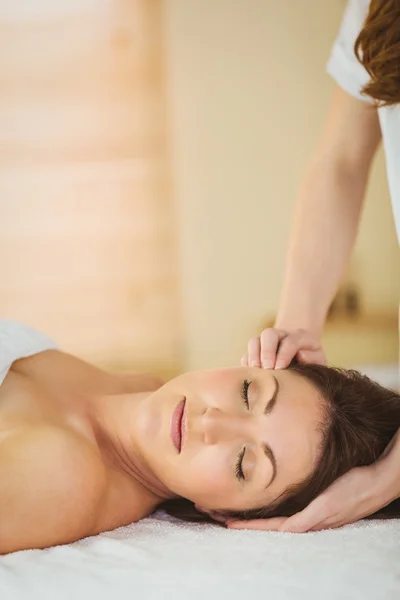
[(323, 233)]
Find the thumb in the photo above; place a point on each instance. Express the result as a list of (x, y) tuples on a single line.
[(311, 357), (302, 521)]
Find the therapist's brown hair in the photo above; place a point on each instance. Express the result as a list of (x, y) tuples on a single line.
[(360, 420), (378, 50)]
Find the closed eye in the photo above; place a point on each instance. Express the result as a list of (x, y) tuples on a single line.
[(245, 392), (238, 468)]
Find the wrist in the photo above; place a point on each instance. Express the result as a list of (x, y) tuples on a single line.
[(295, 321), (388, 470), (306, 313)]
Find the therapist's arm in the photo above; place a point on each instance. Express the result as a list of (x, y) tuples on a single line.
[(327, 213)]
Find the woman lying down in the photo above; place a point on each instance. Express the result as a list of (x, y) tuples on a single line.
[(84, 451)]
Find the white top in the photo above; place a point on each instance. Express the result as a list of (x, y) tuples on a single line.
[(351, 76), (19, 341)]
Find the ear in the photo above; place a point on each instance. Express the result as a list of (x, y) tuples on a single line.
[(216, 515)]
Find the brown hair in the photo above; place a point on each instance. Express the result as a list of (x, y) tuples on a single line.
[(378, 50), (360, 419)]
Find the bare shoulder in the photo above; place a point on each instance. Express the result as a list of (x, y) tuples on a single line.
[(52, 484), (54, 366)]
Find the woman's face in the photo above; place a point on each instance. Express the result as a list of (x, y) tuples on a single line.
[(247, 434)]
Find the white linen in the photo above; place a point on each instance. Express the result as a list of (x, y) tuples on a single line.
[(19, 341), (162, 558)]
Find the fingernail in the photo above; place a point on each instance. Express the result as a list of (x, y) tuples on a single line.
[(279, 365), (255, 364), (267, 365)]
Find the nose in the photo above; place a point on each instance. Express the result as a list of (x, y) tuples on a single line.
[(222, 427)]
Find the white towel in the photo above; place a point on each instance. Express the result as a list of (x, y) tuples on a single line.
[(163, 558), (19, 341)]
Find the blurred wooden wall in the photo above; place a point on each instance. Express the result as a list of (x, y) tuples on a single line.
[(87, 229)]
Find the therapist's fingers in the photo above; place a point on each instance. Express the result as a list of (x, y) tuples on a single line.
[(312, 517), (272, 524), (270, 341), (253, 352), (302, 345), (276, 349), (312, 357)]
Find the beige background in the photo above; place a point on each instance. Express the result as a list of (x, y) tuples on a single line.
[(249, 93), (103, 103), (87, 228)]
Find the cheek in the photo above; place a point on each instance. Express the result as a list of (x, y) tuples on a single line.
[(209, 475), (220, 390)]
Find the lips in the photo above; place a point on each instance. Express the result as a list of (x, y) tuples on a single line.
[(177, 424)]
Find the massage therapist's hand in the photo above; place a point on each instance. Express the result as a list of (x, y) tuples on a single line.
[(357, 494), (276, 348)]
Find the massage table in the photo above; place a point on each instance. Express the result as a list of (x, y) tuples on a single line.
[(164, 558)]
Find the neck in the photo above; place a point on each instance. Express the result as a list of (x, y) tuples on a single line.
[(114, 421)]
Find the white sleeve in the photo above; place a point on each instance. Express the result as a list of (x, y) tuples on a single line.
[(343, 64)]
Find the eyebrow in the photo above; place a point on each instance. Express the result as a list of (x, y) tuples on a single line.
[(266, 448), (272, 401)]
